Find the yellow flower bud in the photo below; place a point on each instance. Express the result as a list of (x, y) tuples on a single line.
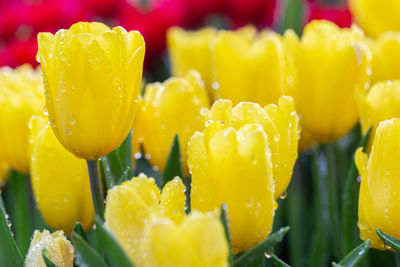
[(199, 240), (380, 185), (21, 97), (332, 66), (376, 17), (132, 204), (280, 124), (92, 76), (192, 50), (60, 181), (249, 67), (233, 166), (173, 107), (381, 103), (385, 57), (55, 246)]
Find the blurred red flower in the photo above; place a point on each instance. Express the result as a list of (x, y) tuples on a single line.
[(337, 13), (152, 19)]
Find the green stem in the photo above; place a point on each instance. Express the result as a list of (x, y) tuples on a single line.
[(319, 253), (97, 195), (296, 215), (292, 16), (333, 200), (22, 210)]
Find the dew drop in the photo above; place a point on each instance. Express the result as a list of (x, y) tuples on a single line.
[(268, 255), (284, 195), (71, 119)]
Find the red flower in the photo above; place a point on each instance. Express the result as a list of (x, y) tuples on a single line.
[(338, 14), (18, 52), (259, 12), (153, 20)]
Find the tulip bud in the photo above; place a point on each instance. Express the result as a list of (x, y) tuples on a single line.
[(331, 66), (249, 68), (21, 97), (378, 206), (192, 50), (199, 240), (280, 124), (385, 57), (131, 205), (92, 76), (376, 17), (60, 181), (55, 246), (167, 109), (233, 166), (382, 102)]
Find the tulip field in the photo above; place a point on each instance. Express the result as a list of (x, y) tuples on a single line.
[(205, 133)]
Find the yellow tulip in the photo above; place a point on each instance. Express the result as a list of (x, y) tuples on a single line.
[(21, 97), (132, 204), (381, 103), (280, 124), (92, 76), (380, 187), (248, 67), (167, 109), (331, 66), (385, 57), (199, 240), (376, 17), (233, 166), (60, 181), (55, 246), (192, 50)]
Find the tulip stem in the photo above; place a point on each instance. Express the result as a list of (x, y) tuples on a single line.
[(95, 187)]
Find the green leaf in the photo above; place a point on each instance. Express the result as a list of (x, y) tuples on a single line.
[(79, 230), (276, 261), (114, 165), (355, 256), (143, 166), (225, 223), (389, 240), (46, 260), (126, 175), (22, 210), (292, 16), (9, 252), (174, 162), (85, 255), (262, 247), (349, 202), (114, 252)]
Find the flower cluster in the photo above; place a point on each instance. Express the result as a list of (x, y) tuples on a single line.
[(194, 171)]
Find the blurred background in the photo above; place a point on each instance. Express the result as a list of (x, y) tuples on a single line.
[(21, 20)]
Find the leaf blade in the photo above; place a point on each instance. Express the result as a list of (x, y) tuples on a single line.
[(113, 250), (355, 256), (173, 167), (389, 240), (9, 251), (85, 255), (262, 247)]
